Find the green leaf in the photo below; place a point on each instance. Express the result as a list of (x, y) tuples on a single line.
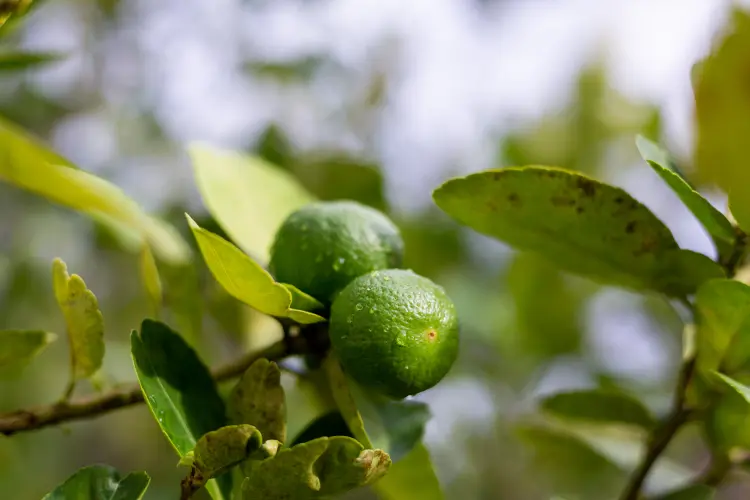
[(247, 196), (17, 347), (722, 104), (696, 492), (741, 389), (179, 390), (715, 223), (84, 321), (101, 482), (571, 466), (216, 452), (301, 300), (316, 469), (394, 426), (411, 478), (151, 280), (345, 402), (19, 61), (582, 225), (723, 325), (258, 399), (29, 165), (598, 406), (244, 279), (727, 422)]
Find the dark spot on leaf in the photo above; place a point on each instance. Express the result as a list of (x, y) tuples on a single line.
[(514, 199), (496, 176), (630, 228), (491, 206), (580, 210), (563, 201), (587, 186), (619, 200)]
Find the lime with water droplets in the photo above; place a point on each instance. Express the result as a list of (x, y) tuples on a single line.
[(323, 246), (394, 332)]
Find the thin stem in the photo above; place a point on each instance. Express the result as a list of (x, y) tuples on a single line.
[(123, 397), (663, 434)]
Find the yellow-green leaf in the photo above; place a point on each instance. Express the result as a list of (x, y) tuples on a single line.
[(715, 223), (29, 165), (218, 451), (580, 224), (411, 478), (247, 196), (244, 279), (83, 319), (151, 280), (17, 347)]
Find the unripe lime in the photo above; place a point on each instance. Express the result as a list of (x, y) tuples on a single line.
[(323, 246), (394, 332)]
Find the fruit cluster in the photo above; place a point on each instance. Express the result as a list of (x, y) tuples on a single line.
[(392, 330)]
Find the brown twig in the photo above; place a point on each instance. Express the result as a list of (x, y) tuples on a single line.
[(663, 434), (89, 407)]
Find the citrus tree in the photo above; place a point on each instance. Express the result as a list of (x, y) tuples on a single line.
[(371, 334)]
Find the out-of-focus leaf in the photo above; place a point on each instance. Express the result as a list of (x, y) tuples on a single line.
[(411, 478), (274, 147), (582, 225), (723, 325), (179, 391), (249, 197), (317, 469), (151, 280), (715, 223), (597, 406), (83, 319), (696, 492), (19, 61), (245, 279), (299, 70), (727, 424), (741, 389), (722, 104), (216, 452), (101, 482), (327, 425), (182, 299), (29, 165), (571, 466), (531, 281), (394, 426), (17, 347), (258, 399)]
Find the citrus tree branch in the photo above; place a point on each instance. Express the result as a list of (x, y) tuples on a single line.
[(663, 433), (89, 407)]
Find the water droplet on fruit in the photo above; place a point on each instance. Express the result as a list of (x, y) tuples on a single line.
[(350, 319), (372, 310), (359, 307)]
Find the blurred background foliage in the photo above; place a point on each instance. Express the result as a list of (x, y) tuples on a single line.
[(378, 102)]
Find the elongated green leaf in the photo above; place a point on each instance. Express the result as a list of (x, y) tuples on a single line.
[(394, 426), (715, 223), (580, 224), (101, 482), (17, 347), (247, 196), (723, 324), (722, 104), (19, 61), (697, 492), (83, 319), (741, 389), (316, 469), (597, 406), (151, 280), (258, 399), (342, 395), (411, 478), (29, 165), (179, 391), (245, 279), (216, 452)]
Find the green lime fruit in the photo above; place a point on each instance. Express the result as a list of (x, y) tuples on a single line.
[(323, 246), (394, 332)]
